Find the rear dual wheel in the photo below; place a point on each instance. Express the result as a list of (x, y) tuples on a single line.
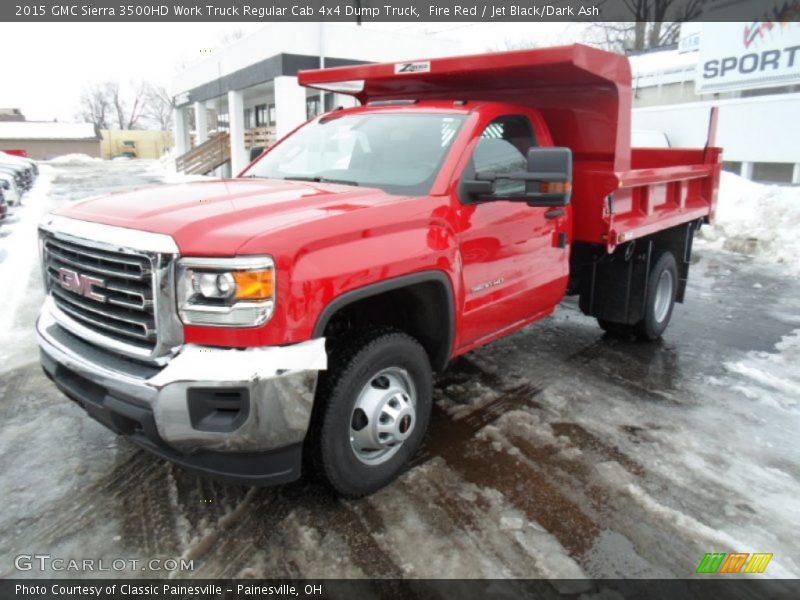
[(662, 287)]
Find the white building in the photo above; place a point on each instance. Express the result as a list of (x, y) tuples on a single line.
[(246, 95), (758, 102)]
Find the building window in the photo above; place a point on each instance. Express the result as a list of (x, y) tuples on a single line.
[(271, 115), (732, 166), (261, 115), (329, 98), (312, 107), (249, 118), (773, 172), (222, 121)]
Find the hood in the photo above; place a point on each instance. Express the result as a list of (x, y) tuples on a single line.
[(215, 218)]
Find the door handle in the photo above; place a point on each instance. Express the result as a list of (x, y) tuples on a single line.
[(554, 213)]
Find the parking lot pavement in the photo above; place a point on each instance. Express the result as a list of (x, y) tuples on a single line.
[(555, 452)]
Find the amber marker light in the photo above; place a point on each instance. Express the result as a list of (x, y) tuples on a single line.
[(556, 187), (254, 285)]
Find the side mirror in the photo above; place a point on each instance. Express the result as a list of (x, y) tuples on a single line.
[(547, 180), (478, 189)]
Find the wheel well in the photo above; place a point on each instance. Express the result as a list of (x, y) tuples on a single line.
[(422, 307), (612, 286)]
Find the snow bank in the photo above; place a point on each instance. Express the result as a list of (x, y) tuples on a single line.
[(19, 255), (165, 168), (73, 159), (757, 219), (773, 377), (167, 160)]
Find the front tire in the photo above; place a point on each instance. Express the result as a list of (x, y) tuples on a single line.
[(372, 409)]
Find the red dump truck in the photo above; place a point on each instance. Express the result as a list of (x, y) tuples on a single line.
[(294, 315)]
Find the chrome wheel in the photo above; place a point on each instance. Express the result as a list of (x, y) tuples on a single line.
[(384, 416), (664, 293)]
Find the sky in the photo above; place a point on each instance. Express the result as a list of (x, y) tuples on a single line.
[(47, 65)]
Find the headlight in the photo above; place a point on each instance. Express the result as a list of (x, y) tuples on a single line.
[(226, 292)]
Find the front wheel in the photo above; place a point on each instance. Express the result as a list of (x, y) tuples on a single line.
[(374, 404)]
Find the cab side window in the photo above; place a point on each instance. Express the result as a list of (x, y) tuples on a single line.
[(503, 148)]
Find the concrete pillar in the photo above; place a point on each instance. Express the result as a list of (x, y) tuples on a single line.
[(747, 170), (182, 142), (290, 104), (796, 173), (200, 122), (236, 123)]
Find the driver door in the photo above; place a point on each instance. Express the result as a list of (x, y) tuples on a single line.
[(514, 262)]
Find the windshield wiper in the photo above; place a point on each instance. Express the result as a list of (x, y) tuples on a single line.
[(322, 180)]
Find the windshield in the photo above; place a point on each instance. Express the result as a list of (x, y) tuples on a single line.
[(399, 153)]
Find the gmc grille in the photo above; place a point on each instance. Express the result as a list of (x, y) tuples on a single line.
[(108, 292)]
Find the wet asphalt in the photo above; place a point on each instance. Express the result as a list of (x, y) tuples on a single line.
[(555, 452)]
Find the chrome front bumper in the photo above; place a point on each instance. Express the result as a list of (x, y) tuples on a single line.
[(279, 381)]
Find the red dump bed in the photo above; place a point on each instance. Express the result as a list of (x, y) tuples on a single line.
[(584, 94)]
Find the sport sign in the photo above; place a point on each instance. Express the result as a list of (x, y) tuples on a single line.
[(739, 56)]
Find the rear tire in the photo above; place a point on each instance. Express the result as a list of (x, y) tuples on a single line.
[(662, 286), (371, 412), (618, 330)]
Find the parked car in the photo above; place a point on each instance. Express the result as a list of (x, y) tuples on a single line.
[(300, 309), (12, 192), (21, 179), (28, 168), (16, 152), (20, 160), (3, 205)]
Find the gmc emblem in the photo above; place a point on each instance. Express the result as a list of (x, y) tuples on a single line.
[(81, 284)]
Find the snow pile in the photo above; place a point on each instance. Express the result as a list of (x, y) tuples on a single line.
[(774, 376), (73, 159), (757, 219), (165, 168), (19, 256), (167, 159)]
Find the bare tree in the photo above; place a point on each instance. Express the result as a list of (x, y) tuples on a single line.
[(111, 104), (511, 44), (232, 36), (158, 106), (653, 23), (127, 104), (95, 107)]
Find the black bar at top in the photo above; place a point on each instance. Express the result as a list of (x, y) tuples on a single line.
[(386, 10)]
